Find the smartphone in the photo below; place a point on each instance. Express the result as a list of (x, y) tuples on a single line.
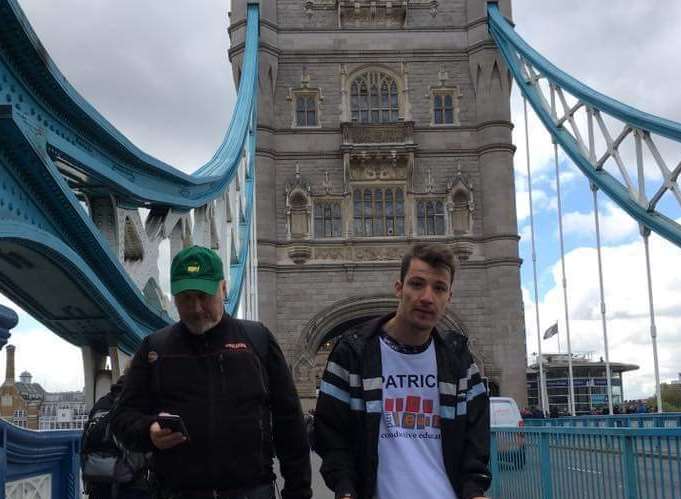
[(174, 422)]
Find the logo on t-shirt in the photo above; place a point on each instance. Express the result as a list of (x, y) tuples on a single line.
[(410, 413)]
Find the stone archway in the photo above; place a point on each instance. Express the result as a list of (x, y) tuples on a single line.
[(326, 325), (343, 316)]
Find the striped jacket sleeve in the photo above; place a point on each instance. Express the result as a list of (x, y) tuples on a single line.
[(475, 473), (340, 394)]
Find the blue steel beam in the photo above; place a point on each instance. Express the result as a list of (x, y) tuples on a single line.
[(44, 123), (512, 47), (114, 159)]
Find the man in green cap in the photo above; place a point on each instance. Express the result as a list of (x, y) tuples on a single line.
[(212, 397)]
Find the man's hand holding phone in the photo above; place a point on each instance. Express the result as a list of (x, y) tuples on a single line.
[(168, 431)]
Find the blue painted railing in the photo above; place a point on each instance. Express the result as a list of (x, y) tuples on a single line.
[(586, 463), (664, 420), (26, 454)]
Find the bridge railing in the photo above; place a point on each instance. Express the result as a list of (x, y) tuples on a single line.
[(560, 462), (664, 420), (39, 464)]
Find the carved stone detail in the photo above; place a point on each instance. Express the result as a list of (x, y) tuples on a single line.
[(378, 166), (462, 250), (371, 13), (460, 204), (332, 253), (299, 253), (377, 253), (383, 133), (298, 208)]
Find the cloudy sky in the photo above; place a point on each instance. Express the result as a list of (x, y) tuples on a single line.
[(159, 72)]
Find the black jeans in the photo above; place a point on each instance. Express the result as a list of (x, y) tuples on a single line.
[(259, 492)]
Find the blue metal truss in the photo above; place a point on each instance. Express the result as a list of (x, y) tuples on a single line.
[(52, 142), (529, 68)]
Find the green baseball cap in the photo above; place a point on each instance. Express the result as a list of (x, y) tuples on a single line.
[(197, 269)]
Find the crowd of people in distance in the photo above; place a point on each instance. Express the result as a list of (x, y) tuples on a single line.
[(628, 407)]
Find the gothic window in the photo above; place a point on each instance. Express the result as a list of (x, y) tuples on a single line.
[(374, 98), (443, 108), (327, 219), (430, 217), (378, 212), (306, 110)]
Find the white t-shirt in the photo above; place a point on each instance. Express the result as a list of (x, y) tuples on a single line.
[(410, 463)]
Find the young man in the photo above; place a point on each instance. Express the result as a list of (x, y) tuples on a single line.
[(402, 410), (228, 381)]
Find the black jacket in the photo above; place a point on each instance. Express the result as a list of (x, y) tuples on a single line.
[(349, 408), (233, 407)]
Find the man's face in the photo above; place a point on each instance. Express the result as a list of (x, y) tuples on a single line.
[(424, 295), (200, 311)]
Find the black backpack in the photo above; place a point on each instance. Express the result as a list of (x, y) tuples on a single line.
[(103, 460)]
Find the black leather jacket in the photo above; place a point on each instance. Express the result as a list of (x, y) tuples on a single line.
[(234, 407)]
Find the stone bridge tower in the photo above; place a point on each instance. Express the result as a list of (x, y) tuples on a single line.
[(382, 123)]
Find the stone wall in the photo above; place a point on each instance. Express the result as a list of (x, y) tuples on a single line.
[(316, 48)]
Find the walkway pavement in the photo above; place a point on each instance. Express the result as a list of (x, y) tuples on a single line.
[(319, 489)]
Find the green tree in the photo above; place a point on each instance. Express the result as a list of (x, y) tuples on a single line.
[(671, 398)]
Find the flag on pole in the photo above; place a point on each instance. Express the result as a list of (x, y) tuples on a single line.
[(552, 331)]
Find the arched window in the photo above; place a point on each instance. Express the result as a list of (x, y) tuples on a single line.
[(378, 212), (430, 218), (299, 222), (374, 98)]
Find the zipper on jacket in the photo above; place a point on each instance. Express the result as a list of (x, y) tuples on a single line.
[(223, 382), (261, 450), (212, 417)]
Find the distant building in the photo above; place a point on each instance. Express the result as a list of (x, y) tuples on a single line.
[(589, 381), (63, 411), (26, 404), (20, 401)]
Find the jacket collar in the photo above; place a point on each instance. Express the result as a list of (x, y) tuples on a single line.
[(374, 327)]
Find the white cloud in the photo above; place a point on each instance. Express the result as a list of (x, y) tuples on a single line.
[(540, 202), (627, 314), (526, 233), (615, 225), (541, 148)]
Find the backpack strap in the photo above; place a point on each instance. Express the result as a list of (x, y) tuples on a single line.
[(157, 343), (255, 332), (258, 337)]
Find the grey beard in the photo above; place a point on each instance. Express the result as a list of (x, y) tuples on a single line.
[(205, 326)]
